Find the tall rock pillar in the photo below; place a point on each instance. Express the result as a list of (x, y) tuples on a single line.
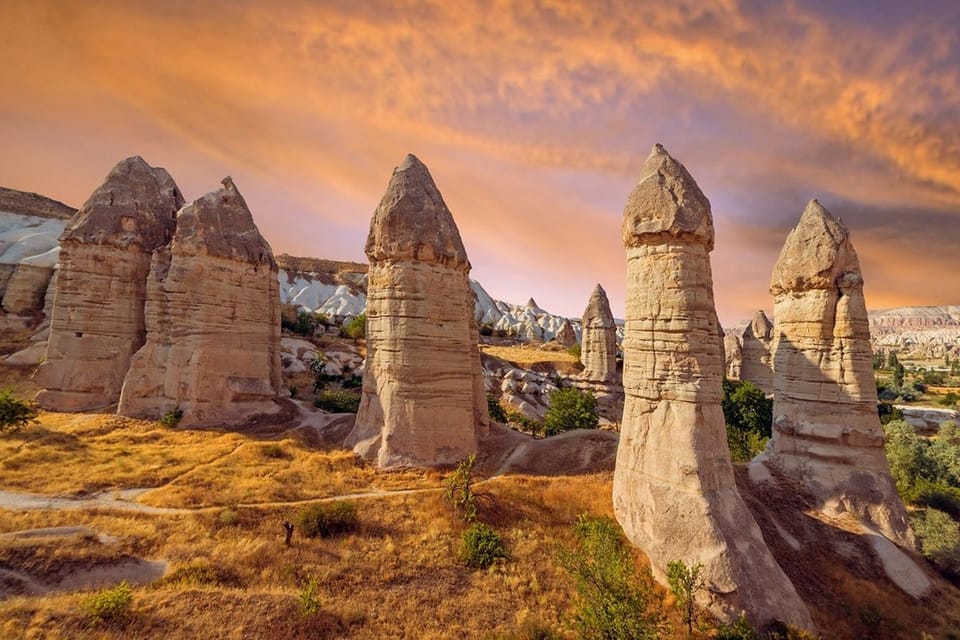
[(105, 254), (756, 349), (598, 353), (826, 432), (673, 491), (423, 401), (212, 319)]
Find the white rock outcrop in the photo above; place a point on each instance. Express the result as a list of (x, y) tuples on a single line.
[(674, 491), (423, 401)]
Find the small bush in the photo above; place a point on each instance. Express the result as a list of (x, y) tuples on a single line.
[(481, 546), (739, 630), (15, 414), (337, 401), (939, 539), (327, 519), (575, 350), (110, 604), (459, 493), (310, 598), (684, 583), (305, 324), (172, 418), (273, 450), (496, 412), (228, 518), (517, 419), (570, 409), (200, 573), (356, 327)]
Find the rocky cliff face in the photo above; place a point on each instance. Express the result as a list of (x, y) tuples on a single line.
[(212, 320), (674, 491), (826, 433), (422, 401), (105, 252)]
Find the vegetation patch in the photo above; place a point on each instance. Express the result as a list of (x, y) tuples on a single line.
[(110, 604), (327, 519), (15, 413), (570, 409), (481, 546), (337, 401)]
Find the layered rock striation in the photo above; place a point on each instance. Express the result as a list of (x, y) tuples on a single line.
[(598, 353), (674, 491), (423, 401), (98, 314), (826, 432), (212, 320)]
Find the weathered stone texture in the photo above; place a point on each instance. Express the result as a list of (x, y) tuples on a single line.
[(105, 254), (826, 432), (598, 350), (423, 402), (212, 320), (756, 352), (674, 491)]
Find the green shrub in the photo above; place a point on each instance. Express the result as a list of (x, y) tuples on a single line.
[(684, 583), (337, 401), (888, 413), (939, 539), (575, 350), (739, 630), (614, 601), (458, 490), (481, 546), (570, 409), (110, 604), (936, 495), (15, 414), (172, 418), (748, 413), (356, 327), (497, 414), (228, 518), (327, 519), (305, 324), (310, 598), (516, 419)]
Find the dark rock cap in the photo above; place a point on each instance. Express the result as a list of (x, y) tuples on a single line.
[(412, 222), (220, 224), (665, 204), (136, 205), (817, 254)]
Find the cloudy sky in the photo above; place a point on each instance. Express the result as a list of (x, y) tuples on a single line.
[(533, 117)]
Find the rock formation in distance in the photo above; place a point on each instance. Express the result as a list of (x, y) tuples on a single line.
[(97, 321), (756, 352), (674, 492), (423, 401), (826, 432), (212, 319), (598, 353)]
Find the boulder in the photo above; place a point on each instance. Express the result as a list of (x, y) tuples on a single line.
[(97, 322), (674, 492), (423, 401), (826, 432), (212, 320)]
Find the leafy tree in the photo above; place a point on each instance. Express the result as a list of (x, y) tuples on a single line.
[(614, 601), (907, 455), (939, 539), (684, 583), (748, 413), (892, 360), (15, 414), (459, 492), (878, 360), (496, 412), (570, 409), (575, 350), (356, 328), (898, 372)]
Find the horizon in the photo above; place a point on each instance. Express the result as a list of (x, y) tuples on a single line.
[(533, 121)]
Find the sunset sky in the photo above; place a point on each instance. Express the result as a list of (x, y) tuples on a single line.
[(533, 117)]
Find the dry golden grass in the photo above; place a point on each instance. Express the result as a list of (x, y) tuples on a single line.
[(525, 355)]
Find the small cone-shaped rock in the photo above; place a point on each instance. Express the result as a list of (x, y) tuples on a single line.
[(105, 255), (423, 402), (598, 350), (826, 432), (674, 491), (756, 352), (212, 318), (566, 334)]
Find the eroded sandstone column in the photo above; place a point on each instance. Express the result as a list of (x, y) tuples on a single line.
[(598, 350), (212, 319), (423, 401), (826, 432), (674, 491), (756, 352), (105, 255)]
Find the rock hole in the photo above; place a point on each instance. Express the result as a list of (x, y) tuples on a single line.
[(79, 334)]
